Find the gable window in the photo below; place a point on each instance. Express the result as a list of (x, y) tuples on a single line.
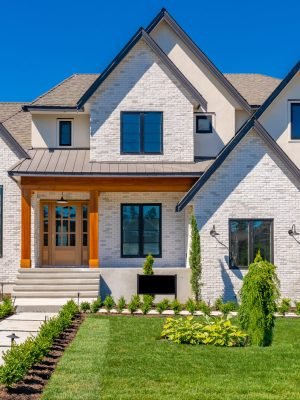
[(141, 132), (140, 230), (295, 121), (65, 132), (247, 237), (1, 221), (204, 123)]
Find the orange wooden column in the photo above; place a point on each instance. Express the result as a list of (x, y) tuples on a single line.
[(93, 230), (26, 229)]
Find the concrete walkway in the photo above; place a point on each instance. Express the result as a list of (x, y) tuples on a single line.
[(23, 324)]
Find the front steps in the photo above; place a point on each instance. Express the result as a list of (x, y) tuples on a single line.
[(47, 289)]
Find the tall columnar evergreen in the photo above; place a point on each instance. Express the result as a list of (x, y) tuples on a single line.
[(195, 259), (259, 296)]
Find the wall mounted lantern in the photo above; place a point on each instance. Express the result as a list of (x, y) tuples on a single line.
[(293, 232), (213, 232)]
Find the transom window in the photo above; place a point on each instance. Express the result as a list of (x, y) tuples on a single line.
[(140, 230), (246, 238), (141, 132), (65, 133), (204, 123), (295, 121), (1, 221)]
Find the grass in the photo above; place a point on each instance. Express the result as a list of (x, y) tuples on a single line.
[(116, 358)]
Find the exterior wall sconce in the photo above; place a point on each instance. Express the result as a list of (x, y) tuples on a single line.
[(293, 232), (213, 232)]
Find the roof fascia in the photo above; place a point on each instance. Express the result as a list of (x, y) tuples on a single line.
[(13, 142), (164, 15), (51, 108)]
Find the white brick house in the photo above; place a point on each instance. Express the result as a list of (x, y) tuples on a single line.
[(104, 169)]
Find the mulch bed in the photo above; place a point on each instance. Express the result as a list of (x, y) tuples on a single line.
[(31, 387)]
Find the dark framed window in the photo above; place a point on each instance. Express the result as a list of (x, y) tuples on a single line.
[(1, 221), (140, 230), (204, 123), (141, 132), (65, 133), (295, 121), (246, 237)]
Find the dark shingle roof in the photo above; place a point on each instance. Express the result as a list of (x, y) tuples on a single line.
[(255, 88)]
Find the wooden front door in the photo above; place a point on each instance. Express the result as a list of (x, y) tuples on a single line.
[(64, 238)]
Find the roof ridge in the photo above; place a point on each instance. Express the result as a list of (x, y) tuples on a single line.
[(53, 88), (251, 73)]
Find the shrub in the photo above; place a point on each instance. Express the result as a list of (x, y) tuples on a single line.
[(191, 306), (96, 304), (176, 306), (259, 294), (6, 307), (297, 305), (218, 304), (85, 306), (204, 307), (284, 306), (217, 332), (121, 304), (109, 302), (163, 305), (147, 303), (229, 306), (148, 265), (134, 304), (195, 258)]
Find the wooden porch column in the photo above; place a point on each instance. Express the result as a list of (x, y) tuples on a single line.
[(26, 229), (93, 230)]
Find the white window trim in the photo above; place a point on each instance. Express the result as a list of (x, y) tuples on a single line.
[(213, 121), (290, 102), (58, 120)]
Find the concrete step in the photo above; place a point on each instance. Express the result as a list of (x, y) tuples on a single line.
[(57, 294), (56, 281), (42, 270), (55, 288)]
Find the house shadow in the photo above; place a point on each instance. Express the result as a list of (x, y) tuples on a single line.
[(229, 292)]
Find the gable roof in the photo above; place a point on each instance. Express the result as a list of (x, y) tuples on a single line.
[(252, 123), (255, 88), (8, 138), (164, 15), (142, 34)]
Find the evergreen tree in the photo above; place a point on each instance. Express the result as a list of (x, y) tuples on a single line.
[(195, 259)]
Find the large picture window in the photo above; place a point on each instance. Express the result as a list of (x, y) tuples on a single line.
[(140, 230), (1, 221), (246, 237), (141, 132)]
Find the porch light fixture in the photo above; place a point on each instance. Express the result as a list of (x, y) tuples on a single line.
[(213, 232), (62, 200), (293, 232)]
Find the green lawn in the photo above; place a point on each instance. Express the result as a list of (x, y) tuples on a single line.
[(122, 358)]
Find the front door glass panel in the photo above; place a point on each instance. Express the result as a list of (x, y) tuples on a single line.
[(65, 226)]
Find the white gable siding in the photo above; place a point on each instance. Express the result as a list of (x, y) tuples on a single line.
[(10, 261), (276, 120), (251, 183), (141, 83), (219, 102)]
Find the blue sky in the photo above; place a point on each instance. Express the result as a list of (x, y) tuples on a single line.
[(43, 42)]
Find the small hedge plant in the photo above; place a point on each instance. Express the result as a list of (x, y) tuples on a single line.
[(109, 302), (121, 304), (21, 357), (297, 305), (209, 331), (148, 265), (259, 295), (96, 305), (163, 305), (6, 307), (147, 303), (134, 303), (284, 306), (85, 306)]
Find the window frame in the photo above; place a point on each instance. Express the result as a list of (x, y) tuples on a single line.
[(204, 132), (59, 120), (291, 102), (1, 221), (250, 240), (141, 152), (141, 229)]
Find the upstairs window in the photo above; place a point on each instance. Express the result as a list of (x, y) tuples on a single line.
[(246, 238), (204, 123), (141, 132), (295, 121), (65, 133)]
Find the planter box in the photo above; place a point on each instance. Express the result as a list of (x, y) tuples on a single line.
[(157, 284)]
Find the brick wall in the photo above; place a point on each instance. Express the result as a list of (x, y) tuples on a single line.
[(141, 83), (251, 183)]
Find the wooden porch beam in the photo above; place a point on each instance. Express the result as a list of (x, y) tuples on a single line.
[(25, 229), (93, 230)]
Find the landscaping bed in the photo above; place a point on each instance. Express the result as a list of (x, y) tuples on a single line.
[(32, 385)]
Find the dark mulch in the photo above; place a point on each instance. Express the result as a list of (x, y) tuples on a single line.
[(31, 387)]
